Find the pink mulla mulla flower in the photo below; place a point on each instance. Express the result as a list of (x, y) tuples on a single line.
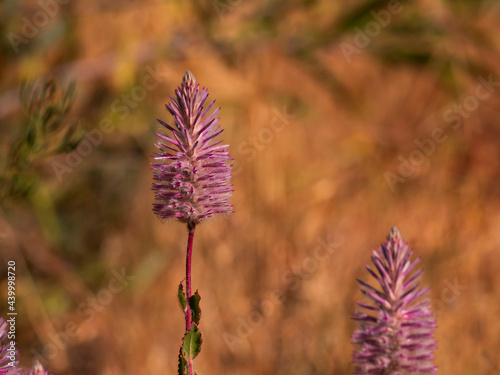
[(5, 367), (397, 337), (37, 369), (192, 171)]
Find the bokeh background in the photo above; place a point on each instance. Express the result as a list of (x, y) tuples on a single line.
[(343, 119)]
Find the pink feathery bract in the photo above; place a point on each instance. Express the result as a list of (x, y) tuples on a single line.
[(5, 367), (396, 336), (37, 369), (191, 170)]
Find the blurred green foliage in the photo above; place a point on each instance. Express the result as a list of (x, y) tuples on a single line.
[(42, 132)]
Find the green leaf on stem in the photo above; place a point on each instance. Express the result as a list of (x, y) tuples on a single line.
[(194, 304), (191, 343), (181, 297), (182, 367)]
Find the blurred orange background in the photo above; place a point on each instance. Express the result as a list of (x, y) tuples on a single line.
[(343, 119)]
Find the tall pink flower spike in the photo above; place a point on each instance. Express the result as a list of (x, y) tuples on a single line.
[(396, 337)]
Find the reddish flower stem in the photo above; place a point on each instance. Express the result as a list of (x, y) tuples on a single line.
[(189, 254)]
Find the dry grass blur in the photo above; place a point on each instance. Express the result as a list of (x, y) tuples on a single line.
[(312, 134)]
